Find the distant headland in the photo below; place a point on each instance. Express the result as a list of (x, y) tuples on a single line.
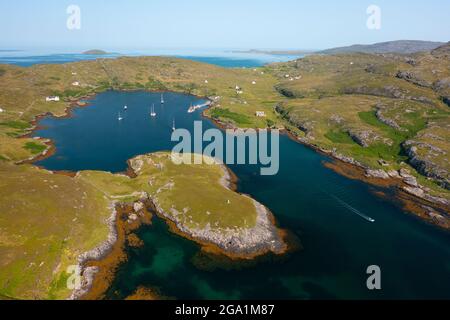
[(95, 52)]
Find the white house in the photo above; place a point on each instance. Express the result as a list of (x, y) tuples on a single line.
[(1, 110), (206, 81), (74, 73), (253, 82), (75, 83), (52, 98), (260, 114)]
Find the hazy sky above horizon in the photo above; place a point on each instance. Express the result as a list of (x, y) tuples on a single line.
[(141, 24)]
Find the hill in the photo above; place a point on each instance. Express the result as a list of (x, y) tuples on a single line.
[(400, 46)]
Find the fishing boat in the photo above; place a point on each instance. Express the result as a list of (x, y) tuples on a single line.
[(192, 108), (152, 112), (198, 106)]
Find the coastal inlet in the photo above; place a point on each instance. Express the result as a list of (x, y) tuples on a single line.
[(305, 197)]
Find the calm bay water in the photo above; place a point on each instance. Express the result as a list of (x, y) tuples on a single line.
[(306, 198)]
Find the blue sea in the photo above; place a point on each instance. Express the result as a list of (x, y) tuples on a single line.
[(224, 58)]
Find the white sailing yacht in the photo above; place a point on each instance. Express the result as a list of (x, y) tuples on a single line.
[(162, 98), (153, 113), (173, 125), (119, 117), (125, 107)]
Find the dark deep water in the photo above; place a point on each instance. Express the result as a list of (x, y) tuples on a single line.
[(306, 198)]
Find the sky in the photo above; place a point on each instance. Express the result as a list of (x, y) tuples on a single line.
[(244, 24)]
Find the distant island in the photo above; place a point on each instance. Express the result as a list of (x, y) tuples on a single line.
[(95, 52), (400, 46)]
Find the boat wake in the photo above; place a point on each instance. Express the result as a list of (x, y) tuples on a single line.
[(355, 211)]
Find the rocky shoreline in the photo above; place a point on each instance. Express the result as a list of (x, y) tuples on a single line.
[(235, 243), (87, 274), (240, 243), (436, 208), (419, 201), (244, 244)]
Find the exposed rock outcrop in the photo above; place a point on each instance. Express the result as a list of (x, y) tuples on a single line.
[(262, 238), (380, 174), (425, 165), (366, 137), (413, 78), (87, 274), (387, 121), (386, 91)]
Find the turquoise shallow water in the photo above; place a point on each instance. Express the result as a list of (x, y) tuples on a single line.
[(308, 199), (225, 59)]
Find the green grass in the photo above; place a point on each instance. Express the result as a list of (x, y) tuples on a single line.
[(58, 285), (72, 93), (370, 118), (237, 118), (44, 229), (195, 187), (338, 136), (416, 124), (155, 84), (13, 134), (35, 148), (20, 125), (270, 123), (396, 151)]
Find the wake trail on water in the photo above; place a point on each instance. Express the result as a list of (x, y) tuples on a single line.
[(349, 207)]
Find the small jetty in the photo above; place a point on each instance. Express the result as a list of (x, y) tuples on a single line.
[(198, 106)]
